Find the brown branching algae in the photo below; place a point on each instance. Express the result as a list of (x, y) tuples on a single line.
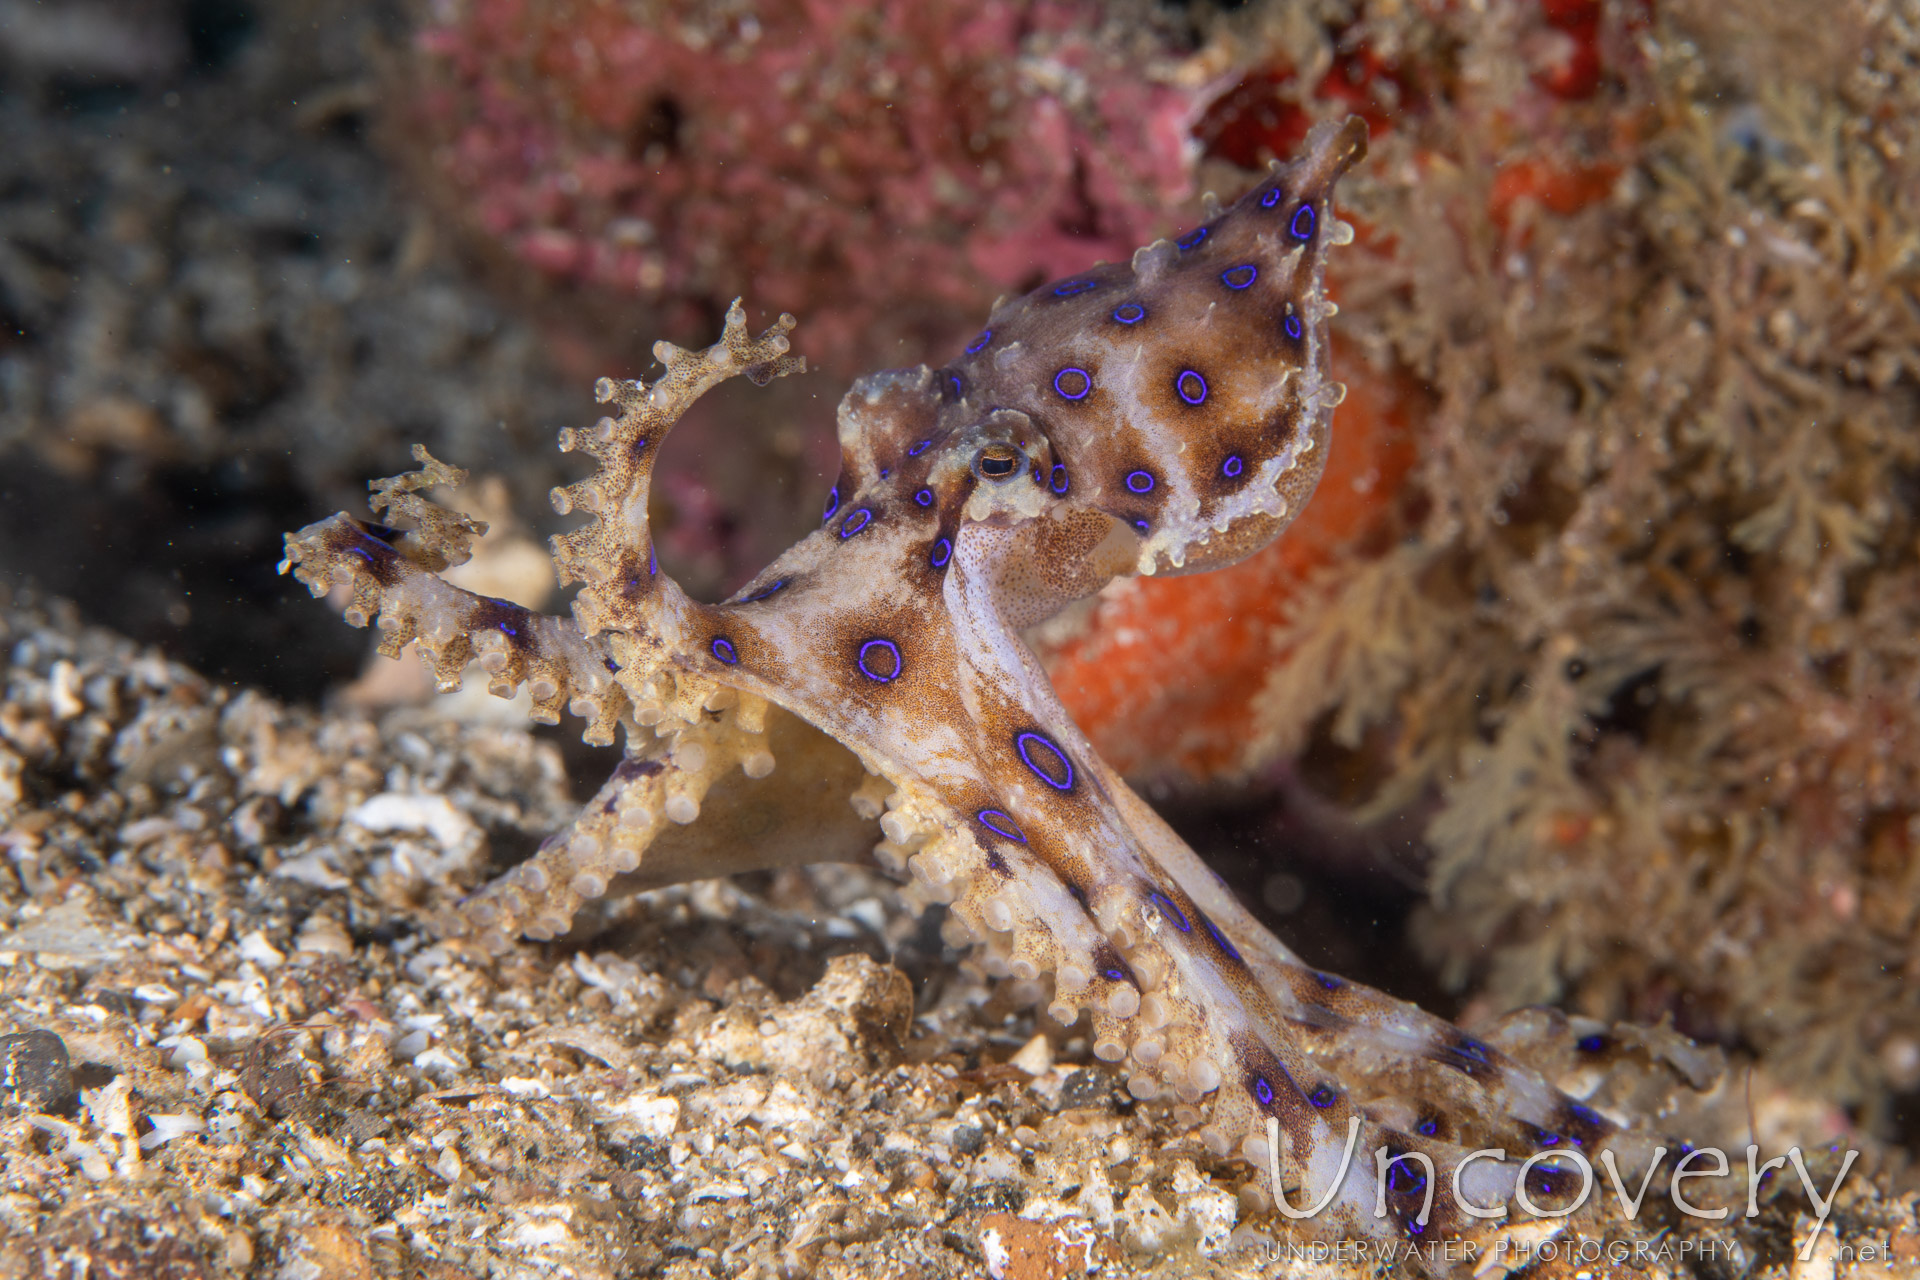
[(1649, 636)]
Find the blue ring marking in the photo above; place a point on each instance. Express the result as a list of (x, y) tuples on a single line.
[(1263, 1091), (1142, 525), (1546, 1181), (942, 552), (1304, 214), (954, 378), (885, 646), (986, 336), (924, 497), (1292, 326), (854, 523), (1174, 915), (1140, 481), (724, 651), (1473, 1050), (653, 561), (1192, 239), (1591, 1044), (991, 820), (1057, 478), (1416, 1177), (1272, 198), (1586, 1115), (1330, 982), (1427, 1127), (1072, 287), (1020, 743), (1114, 975), (918, 449), (1129, 313), (885, 472), (1240, 277), (1085, 377), (833, 504), (1323, 1097), (1220, 940), (1232, 467), (1190, 396), (764, 592)]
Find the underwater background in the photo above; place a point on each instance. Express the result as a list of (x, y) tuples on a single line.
[(1590, 677)]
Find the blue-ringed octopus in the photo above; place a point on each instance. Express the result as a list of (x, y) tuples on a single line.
[(1170, 414)]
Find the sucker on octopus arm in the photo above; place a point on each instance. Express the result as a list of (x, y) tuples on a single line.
[(1167, 415)]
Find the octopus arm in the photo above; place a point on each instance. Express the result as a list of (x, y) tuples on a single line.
[(393, 583)]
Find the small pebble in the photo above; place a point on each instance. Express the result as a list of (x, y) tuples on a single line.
[(35, 1072)]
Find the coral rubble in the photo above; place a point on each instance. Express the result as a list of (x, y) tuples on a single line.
[(212, 903)]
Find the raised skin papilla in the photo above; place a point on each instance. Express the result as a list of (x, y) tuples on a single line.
[(1167, 415)]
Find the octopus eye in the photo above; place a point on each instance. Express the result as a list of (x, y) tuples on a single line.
[(997, 462)]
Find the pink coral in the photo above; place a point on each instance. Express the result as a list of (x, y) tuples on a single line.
[(912, 157)]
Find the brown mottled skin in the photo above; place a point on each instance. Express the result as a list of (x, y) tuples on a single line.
[(1170, 414)]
